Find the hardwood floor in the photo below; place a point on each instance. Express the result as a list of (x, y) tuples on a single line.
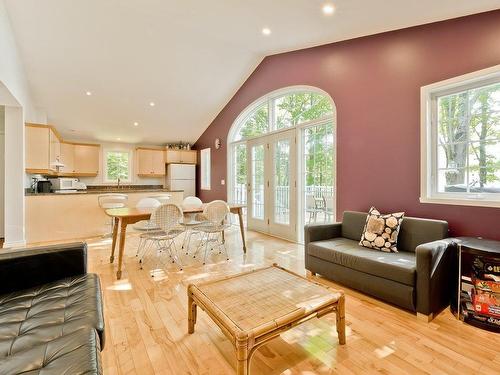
[(146, 325)]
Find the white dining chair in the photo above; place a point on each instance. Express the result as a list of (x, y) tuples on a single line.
[(190, 220), (215, 214), (112, 200), (145, 225), (167, 218)]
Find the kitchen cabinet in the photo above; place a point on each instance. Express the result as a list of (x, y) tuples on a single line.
[(67, 157), (86, 159), (54, 150), (37, 148), (150, 162), (181, 156)]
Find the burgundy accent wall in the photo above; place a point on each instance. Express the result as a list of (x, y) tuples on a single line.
[(375, 83)]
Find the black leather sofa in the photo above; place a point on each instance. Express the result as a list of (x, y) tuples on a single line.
[(418, 278), (51, 312)]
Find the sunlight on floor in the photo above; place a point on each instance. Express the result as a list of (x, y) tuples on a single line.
[(120, 285)]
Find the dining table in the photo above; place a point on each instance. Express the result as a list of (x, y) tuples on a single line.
[(124, 216)]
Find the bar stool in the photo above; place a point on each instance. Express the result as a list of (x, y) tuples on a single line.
[(162, 198), (112, 200)]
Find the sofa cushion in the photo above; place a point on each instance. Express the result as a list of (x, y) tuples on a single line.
[(38, 315), (76, 353), (381, 231), (399, 267)]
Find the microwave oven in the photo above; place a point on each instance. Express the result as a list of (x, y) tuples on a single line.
[(62, 183)]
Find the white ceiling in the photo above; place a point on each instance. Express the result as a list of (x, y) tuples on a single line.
[(188, 56)]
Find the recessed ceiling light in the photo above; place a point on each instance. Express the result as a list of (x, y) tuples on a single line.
[(88, 93), (328, 9), (136, 123), (266, 31), (152, 104), (118, 139)]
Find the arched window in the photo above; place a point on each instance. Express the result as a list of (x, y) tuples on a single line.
[(281, 157), (280, 110)]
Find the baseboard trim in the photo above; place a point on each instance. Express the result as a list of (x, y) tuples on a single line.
[(425, 318), (7, 245)]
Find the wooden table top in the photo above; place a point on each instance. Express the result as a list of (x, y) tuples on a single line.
[(264, 297), (146, 212)]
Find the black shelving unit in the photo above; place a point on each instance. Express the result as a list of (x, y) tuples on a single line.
[(477, 298)]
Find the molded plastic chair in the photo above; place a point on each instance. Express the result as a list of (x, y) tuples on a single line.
[(112, 200)]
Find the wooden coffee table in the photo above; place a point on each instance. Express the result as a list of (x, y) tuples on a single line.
[(254, 307)]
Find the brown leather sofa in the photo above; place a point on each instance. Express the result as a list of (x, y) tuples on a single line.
[(418, 278), (51, 316)]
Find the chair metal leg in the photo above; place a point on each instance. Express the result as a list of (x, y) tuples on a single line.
[(206, 249)]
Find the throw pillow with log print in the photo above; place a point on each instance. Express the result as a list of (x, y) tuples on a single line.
[(381, 231)]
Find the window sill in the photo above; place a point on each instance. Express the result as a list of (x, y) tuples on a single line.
[(462, 202)]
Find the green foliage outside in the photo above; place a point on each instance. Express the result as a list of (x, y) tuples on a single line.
[(118, 165), (291, 110), (468, 130)]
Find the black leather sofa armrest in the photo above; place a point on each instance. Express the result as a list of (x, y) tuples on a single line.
[(319, 232), (436, 263), (25, 268)]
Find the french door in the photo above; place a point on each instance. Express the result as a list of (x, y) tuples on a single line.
[(272, 184)]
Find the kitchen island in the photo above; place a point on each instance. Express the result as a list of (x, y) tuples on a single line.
[(58, 217)]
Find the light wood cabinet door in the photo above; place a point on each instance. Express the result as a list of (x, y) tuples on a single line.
[(68, 157), (144, 161), (150, 162), (188, 157), (37, 148), (173, 156), (181, 156), (158, 163), (86, 160)]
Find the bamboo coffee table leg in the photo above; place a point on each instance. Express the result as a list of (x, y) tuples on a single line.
[(123, 231), (341, 319), (191, 314), (242, 356), (113, 244)]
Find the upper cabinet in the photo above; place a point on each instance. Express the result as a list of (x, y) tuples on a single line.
[(86, 159), (45, 150), (181, 156), (37, 148), (150, 162)]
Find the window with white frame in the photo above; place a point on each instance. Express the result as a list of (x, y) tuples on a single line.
[(461, 124), (205, 169), (117, 165)]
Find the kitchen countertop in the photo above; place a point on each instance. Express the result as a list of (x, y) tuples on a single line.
[(104, 191)]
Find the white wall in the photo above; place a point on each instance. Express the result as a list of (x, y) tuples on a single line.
[(15, 93)]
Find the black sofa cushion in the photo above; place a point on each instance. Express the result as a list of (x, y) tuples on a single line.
[(399, 267), (38, 315), (76, 353)]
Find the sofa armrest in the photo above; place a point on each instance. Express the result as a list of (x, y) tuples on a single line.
[(436, 263), (25, 268), (319, 232)]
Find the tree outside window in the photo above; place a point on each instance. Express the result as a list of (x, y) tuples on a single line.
[(469, 141), (117, 166)]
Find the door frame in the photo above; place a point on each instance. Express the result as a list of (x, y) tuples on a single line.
[(268, 225)]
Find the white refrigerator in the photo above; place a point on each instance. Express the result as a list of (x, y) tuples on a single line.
[(182, 177)]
